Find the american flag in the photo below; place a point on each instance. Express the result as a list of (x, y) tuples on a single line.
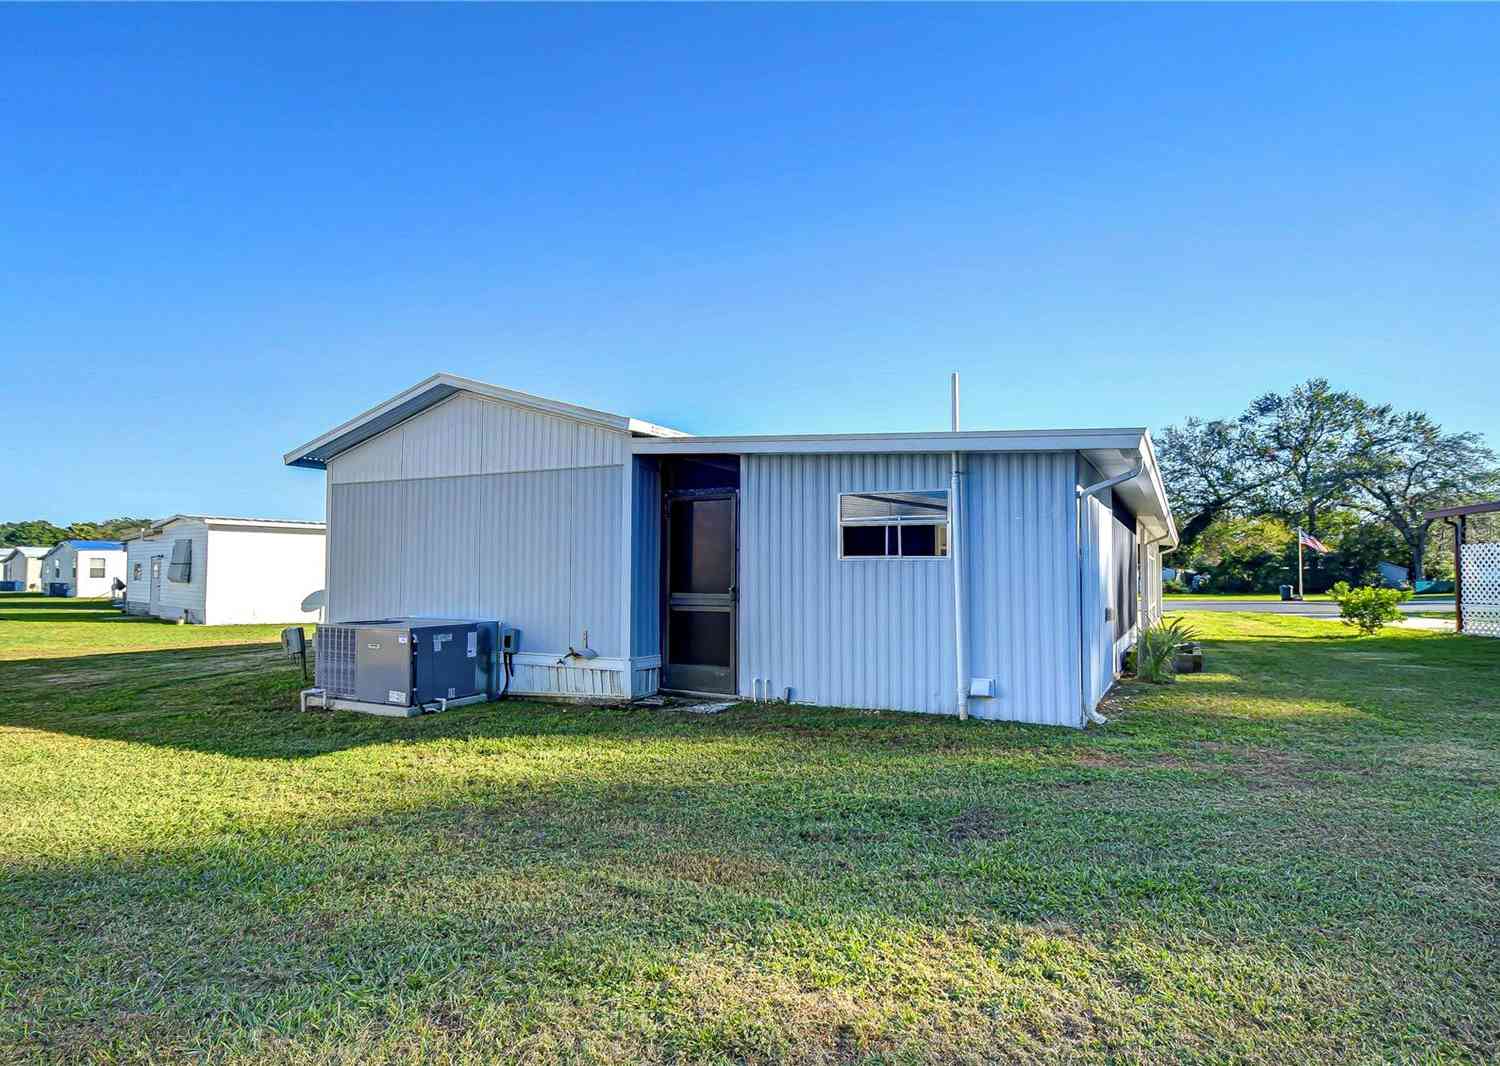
[(1307, 540)]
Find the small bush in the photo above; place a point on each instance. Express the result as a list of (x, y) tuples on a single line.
[(1176, 586), (1157, 647), (1368, 609)]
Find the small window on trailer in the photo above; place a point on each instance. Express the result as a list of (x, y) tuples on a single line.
[(135, 573), (180, 569), (96, 566), (893, 524)]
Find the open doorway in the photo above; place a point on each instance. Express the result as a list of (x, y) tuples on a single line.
[(700, 542)]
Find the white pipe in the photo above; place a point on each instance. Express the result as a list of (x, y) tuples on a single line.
[(955, 520)]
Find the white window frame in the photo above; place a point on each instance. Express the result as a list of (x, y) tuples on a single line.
[(103, 565), (898, 521)]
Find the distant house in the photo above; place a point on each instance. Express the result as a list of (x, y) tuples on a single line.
[(82, 567), (224, 571), (21, 568)]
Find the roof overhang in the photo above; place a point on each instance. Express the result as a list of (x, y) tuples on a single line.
[(1111, 451), (434, 390)]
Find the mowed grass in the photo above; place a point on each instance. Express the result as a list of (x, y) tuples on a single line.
[(1294, 857)]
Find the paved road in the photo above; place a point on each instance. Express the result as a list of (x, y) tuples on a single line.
[(1306, 609)]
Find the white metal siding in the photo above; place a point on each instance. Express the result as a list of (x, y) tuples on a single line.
[(25, 569), (539, 550), (879, 632), (1019, 544), (74, 565), (260, 575), (467, 435), (1099, 636), (178, 599)]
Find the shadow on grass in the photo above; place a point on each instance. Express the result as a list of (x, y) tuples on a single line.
[(31, 607), (680, 905), (241, 700)]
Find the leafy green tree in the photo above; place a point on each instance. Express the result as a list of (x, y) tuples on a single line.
[(1319, 441), (1409, 466), (35, 531), (1211, 470)]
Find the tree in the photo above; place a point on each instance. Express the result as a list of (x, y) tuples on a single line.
[(1318, 441), (1211, 470), (109, 529), (44, 534), (36, 531), (1409, 465)]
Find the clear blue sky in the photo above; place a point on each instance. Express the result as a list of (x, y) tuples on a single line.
[(225, 229)]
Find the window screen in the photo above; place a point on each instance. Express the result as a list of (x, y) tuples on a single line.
[(96, 566), (180, 569), (893, 524)]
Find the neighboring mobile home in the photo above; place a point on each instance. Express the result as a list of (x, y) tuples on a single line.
[(21, 568), (225, 571), (83, 567), (1000, 574)]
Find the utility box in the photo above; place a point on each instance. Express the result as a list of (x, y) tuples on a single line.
[(404, 666)]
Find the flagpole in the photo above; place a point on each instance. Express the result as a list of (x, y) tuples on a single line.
[(1299, 562)]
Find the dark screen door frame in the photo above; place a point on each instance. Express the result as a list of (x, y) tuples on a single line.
[(697, 677)]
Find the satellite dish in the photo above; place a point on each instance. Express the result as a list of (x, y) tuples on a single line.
[(315, 600)]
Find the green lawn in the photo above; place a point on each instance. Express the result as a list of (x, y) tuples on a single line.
[(1269, 597), (1292, 858)]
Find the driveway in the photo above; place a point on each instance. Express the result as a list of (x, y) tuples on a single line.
[(1306, 609)]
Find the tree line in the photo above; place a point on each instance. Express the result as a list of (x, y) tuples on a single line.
[(44, 534), (1326, 460)]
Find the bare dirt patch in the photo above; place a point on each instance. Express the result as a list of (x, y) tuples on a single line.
[(977, 824)]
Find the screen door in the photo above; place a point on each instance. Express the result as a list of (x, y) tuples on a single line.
[(702, 562)]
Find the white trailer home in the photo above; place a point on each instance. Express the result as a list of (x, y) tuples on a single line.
[(83, 567), (995, 574), (225, 571), (21, 568)]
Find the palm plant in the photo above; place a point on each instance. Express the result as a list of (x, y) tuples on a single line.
[(1156, 649)]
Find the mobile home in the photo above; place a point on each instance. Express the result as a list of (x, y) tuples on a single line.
[(21, 569), (225, 571), (83, 567), (993, 574)]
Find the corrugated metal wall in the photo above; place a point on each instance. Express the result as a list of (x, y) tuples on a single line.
[(645, 543), (1098, 594), (879, 632), (540, 550), (1023, 585)]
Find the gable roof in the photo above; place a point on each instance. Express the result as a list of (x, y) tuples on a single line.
[(1112, 451), (28, 550), (433, 391), (252, 525), (86, 545)]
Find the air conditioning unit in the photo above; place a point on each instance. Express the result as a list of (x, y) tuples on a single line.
[(403, 667)]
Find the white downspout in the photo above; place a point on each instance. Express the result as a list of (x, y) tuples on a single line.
[(955, 520)]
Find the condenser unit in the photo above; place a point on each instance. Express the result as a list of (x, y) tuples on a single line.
[(404, 666)]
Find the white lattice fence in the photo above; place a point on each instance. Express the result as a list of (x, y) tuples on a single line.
[(1481, 589)]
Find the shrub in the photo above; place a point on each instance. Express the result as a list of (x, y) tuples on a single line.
[(1368, 609), (1157, 647), (1176, 586)]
